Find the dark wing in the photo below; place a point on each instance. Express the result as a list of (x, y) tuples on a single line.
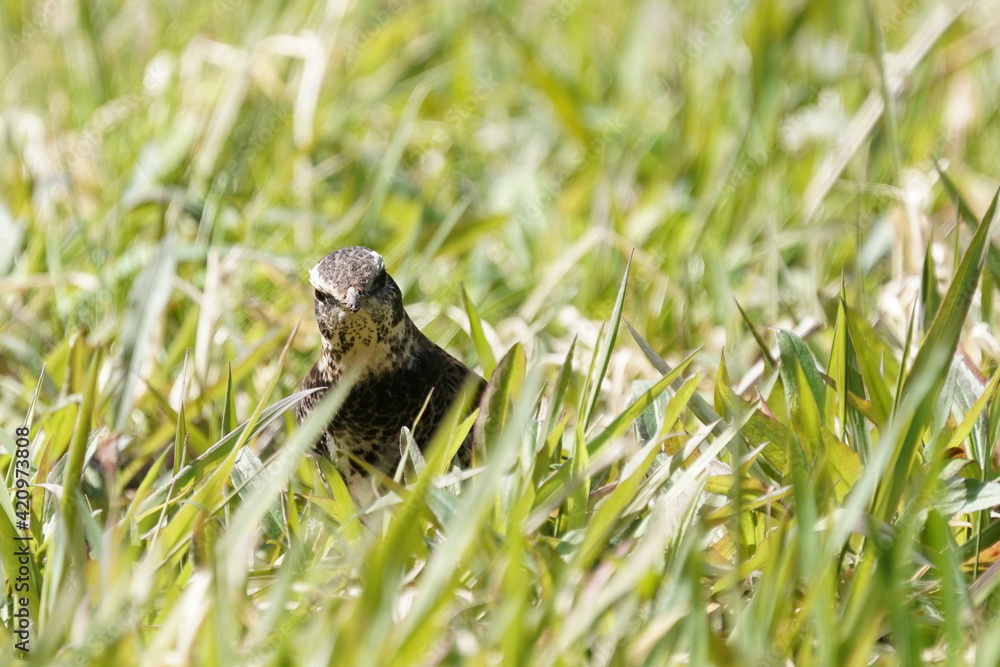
[(305, 407), (452, 381), (313, 379)]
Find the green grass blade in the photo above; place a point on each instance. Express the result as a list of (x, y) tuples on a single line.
[(73, 469), (934, 356), (261, 498), (147, 301), (607, 348), (229, 420), (180, 438), (965, 211), (483, 349), (620, 423), (794, 354), (699, 406), (765, 352), (221, 450)]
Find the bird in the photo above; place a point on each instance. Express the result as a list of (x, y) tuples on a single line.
[(365, 330)]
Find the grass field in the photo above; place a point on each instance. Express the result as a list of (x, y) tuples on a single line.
[(728, 264)]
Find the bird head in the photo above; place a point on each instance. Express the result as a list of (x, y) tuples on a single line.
[(355, 294)]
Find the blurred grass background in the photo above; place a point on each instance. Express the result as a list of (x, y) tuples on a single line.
[(520, 150), (170, 171)]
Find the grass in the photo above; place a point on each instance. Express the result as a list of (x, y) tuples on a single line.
[(728, 266)]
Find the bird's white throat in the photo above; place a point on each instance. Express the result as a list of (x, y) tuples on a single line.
[(355, 344)]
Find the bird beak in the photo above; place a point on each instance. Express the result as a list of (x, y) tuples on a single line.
[(352, 299)]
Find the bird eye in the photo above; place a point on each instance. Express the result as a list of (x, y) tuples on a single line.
[(324, 298), (379, 281)]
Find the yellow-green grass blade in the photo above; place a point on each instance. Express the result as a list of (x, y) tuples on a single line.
[(486, 359), (765, 352), (229, 420), (934, 357), (147, 302), (621, 422), (219, 451), (701, 408), (794, 354), (607, 348), (965, 212), (760, 429)]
